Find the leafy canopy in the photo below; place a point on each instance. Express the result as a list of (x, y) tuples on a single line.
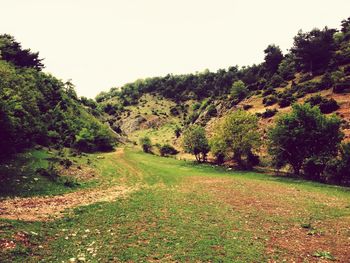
[(236, 135), (302, 134), (195, 142)]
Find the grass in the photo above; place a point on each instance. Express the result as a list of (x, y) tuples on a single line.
[(185, 212)]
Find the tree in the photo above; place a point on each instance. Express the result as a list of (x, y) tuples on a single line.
[(273, 57), (146, 144), (12, 51), (239, 90), (195, 142), (314, 50), (236, 135), (303, 134)]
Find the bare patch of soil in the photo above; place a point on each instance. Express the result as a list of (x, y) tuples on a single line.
[(49, 208)]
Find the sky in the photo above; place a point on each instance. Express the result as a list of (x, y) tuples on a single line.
[(101, 44)]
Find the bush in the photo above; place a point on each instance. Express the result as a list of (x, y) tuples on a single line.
[(338, 170), (146, 144), (239, 91), (286, 99), (270, 100), (268, 113), (268, 91), (276, 81), (325, 105), (211, 110), (167, 149), (247, 106)]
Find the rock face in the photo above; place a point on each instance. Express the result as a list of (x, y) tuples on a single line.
[(132, 125)]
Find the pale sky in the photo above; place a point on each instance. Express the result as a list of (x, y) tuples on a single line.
[(101, 44)]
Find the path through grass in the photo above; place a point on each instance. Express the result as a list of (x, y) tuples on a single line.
[(184, 212)]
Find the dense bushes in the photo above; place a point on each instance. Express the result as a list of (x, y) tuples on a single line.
[(37, 108), (325, 105)]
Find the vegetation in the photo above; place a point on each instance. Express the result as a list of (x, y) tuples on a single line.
[(146, 144), (235, 136), (304, 138), (195, 142), (187, 212), (37, 108)]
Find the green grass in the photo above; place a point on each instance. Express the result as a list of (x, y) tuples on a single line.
[(171, 218)]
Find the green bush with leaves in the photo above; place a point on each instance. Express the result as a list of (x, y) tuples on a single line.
[(167, 149), (236, 136), (302, 134), (239, 91), (194, 141), (146, 144)]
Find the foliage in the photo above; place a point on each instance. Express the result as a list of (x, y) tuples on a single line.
[(12, 51), (146, 144), (273, 57), (303, 134), (268, 113), (239, 91), (313, 50), (37, 108), (270, 100), (195, 142), (325, 105), (167, 149), (236, 135)]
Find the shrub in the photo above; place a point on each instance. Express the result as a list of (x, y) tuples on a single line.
[(338, 170), (268, 91), (286, 99), (247, 106), (239, 91), (325, 105), (146, 144), (167, 149), (177, 131), (196, 106), (211, 110), (269, 113), (276, 81), (269, 100)]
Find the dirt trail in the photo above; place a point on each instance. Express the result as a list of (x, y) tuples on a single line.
[(45, 208), (50, 208)]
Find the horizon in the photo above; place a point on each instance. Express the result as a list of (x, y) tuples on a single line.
[(105, 44)]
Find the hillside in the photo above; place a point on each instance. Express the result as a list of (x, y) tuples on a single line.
[(38, 109), (317, 64)]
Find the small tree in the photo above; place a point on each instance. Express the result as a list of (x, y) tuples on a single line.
[(303, 135), (236, 136), (146, 144), (195, 142), (239, 90)]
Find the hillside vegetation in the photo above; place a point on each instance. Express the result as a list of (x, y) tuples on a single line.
[(316, 70), (38, 109)]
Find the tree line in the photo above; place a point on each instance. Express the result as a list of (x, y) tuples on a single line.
[(305, 139), (316, 52)]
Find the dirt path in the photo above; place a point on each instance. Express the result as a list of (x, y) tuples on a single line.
[(50, 208), (46, 208)]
